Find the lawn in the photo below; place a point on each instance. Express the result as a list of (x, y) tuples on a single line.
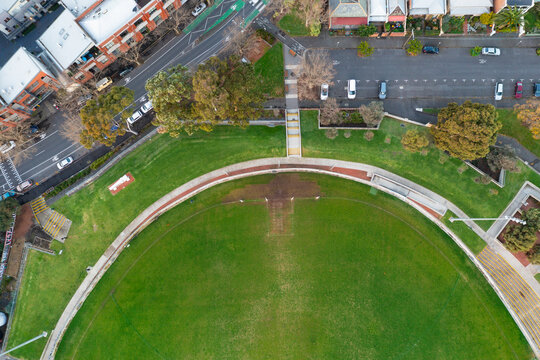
[(158, 167), (270, 68), (209, 280), (511, 127), (386, 151), (293, 25)]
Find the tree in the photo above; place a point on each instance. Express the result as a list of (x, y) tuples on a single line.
[(21, 135), (509, 18), (226, 90), (502, 158), (177, 20), (373, 113), (317, 68), (475, 51), (7, 208), (366, 30), (279, 7), (330, 113), (71, 102), (134, 54), (532, 219), (529, 115), (414, 47), (312, 11), (171, 93), (237, 40), (364, 49), (486, 18), (534, 255), (519, 238), (414, 141), (98, 117), (466, 131)]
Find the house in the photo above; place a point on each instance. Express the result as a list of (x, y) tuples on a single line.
[(499, 5), (347, 14), (17, 15), (107, 28), (24, 83), (378, 11), (470, 7), (427, 7), (397, 11)]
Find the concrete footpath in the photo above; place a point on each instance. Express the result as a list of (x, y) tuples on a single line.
[(425, 201)]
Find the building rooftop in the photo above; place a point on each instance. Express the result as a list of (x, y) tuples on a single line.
[(427, 7), (77, 7), (106, 18), (377, 10), (519, 2), (17, 74), (64, 40), (348, 8)]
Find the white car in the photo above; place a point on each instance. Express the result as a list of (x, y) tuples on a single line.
[(24, 186), (498, 91), (147, 107), (491, 51), (6, 147), (62, 164), (198, 9), (351, 89), (136, 116), (324, 91)]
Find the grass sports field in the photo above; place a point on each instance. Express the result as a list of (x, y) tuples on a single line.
[(351, 275)]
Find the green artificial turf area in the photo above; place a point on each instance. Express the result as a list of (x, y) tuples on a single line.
[(158, 166), (270, 69), (385, 150), (293, 25), (351, 275)]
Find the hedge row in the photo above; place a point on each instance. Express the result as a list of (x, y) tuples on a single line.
[(67, 183)]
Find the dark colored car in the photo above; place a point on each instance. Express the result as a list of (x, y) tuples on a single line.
[(519, 90), (430, 50), (125, 71), (537, 89)]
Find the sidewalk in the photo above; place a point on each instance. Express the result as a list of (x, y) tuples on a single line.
[(324, 40)]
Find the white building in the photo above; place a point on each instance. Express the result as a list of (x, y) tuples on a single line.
[(470, 7), (16, 15)]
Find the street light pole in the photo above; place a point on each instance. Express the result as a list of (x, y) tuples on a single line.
[(43, 334), (519, 221)]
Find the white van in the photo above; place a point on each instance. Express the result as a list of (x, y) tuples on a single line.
[(498, 91), (351, 89)]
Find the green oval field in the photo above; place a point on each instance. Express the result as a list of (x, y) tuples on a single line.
[(351, 275)]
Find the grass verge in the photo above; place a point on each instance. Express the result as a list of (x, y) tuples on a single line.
[(293, 25), (270, 68), (158, 166), (447, 177)]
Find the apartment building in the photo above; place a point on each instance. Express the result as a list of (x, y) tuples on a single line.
[(17, 15), (24, 83)]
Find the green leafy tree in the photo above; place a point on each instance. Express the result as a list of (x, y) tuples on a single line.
[(7, 208), (226, 90), (364, 49), (532, 219), (414, 47), (366, 30), (509, 18), (486, 18), (475, 51), (519, 238), (414, 141), (171, 92), (97, 117), (466, 131), (529, 115), (534, 255)]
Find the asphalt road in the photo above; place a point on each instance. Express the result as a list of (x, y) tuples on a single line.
[(201, 43)]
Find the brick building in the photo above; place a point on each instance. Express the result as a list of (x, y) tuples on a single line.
[(24, 83), (106, 28)]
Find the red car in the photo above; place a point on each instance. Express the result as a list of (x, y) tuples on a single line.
[(519, 90)]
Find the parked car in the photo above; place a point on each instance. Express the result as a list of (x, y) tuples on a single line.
[(136, 116), (147, 106), (351, 89), (24, 186), (519, 90), (491, 51), (430, 49), (382, 90), (126, 71), (198, 9), (103, 83), (324, 91), (498, 91), (537, 89), (62, 164), (7, 146)]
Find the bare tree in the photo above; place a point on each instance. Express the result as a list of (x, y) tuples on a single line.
[(279, 7), (316, 69), (71, 128), (330, 113), (21, 136), (312, 11), (372, 113), (134, 54), (178, 19), (238, 40)]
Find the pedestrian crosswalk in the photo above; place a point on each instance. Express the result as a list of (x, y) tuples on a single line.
[(38, 205), (522, 298), (294, 141), (54, 224)]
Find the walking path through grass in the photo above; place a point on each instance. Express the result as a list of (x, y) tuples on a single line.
[(158, 166)]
